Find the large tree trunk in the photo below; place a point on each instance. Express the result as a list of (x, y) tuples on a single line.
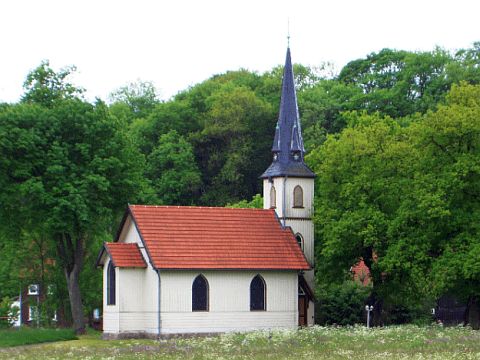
[(75, 297), (72, 252), (473, 313)]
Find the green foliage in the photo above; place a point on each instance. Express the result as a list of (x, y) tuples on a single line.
[(140, 97), (171, 167), (400, 83), (395, 152), (46, 87), (27, 336), (165, 117), (67, 171), (450, 138), (403, 200), (72, 161), (341, 304), (255, 203), (6, 312), (232, 149)]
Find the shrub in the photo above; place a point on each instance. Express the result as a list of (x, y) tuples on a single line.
[(7, 313), (341, 304)]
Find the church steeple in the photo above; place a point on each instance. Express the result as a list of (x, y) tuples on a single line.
[(289, 185), (288, 150)]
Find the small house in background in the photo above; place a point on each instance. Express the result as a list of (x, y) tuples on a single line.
[(35, 309), (187, 270), (361, 273)]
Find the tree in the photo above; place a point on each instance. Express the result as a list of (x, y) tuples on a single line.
[(232, 149), (466, 66), (399, 83), (450, 170), (172, 169), (140, 97), (322, 107), (404, 199), (255, 203), (175, 115), (71, 169), (45, 86), (363, 173)]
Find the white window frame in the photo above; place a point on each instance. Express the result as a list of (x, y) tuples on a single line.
[(34, 289), (32, 312)]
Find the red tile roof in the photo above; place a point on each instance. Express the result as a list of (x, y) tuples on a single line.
[(178, 237), (125, 255), (361, 272)]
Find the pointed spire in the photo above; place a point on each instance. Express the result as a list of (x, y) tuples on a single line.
[(288, 150)]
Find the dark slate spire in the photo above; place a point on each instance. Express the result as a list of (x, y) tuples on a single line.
[(288, 151)]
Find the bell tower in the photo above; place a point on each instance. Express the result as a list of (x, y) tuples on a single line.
[(288, 185)]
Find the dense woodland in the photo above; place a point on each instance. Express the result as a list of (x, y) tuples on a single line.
[(394, 139)]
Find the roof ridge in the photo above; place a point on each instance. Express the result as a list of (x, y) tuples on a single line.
[(195, 207)]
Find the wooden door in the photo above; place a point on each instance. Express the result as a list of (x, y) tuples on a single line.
[(302, 310)]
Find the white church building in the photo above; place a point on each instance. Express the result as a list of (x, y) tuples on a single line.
[(192, 270)]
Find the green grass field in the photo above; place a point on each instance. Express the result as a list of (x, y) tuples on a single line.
[(26, 336), (398, 342)]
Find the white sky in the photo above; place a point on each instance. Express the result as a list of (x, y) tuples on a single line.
[(179, 43)]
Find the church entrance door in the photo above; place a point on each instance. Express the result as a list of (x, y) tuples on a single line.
[(302, 310)]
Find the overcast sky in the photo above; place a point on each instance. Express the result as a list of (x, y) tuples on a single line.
[(178, 43)]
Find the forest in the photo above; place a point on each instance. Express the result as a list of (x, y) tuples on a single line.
[(393, 137)]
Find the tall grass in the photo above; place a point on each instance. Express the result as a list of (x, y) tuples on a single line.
[(407, 342)]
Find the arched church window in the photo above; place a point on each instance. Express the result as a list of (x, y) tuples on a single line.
[(257, 293), (299, 241), (110, 284), (298, 197), (200, 294), (273, 197)]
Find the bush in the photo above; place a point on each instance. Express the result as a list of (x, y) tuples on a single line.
[(341, 304), (4, 313), (416, 313)]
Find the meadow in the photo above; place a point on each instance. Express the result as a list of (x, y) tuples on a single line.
[(395, 342)]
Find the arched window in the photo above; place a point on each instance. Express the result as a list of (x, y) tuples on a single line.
[(258, 294), (298, 197), (110, 284), (200, 294), (299, 240), (273, 197)]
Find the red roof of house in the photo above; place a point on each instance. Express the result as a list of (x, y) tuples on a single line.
[(361, 272), (125, 255), (181, 237)]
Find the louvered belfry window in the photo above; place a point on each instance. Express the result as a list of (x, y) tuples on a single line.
[(273, 197), (257, 293), (298, 197), (111, 284), (200, 294)]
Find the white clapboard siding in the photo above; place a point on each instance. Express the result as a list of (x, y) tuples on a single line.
[(229, 302), (307, 185), (136, 309), (111, 322), (299, 219)]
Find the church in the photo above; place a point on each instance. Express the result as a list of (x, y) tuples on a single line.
[(202, 270)]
